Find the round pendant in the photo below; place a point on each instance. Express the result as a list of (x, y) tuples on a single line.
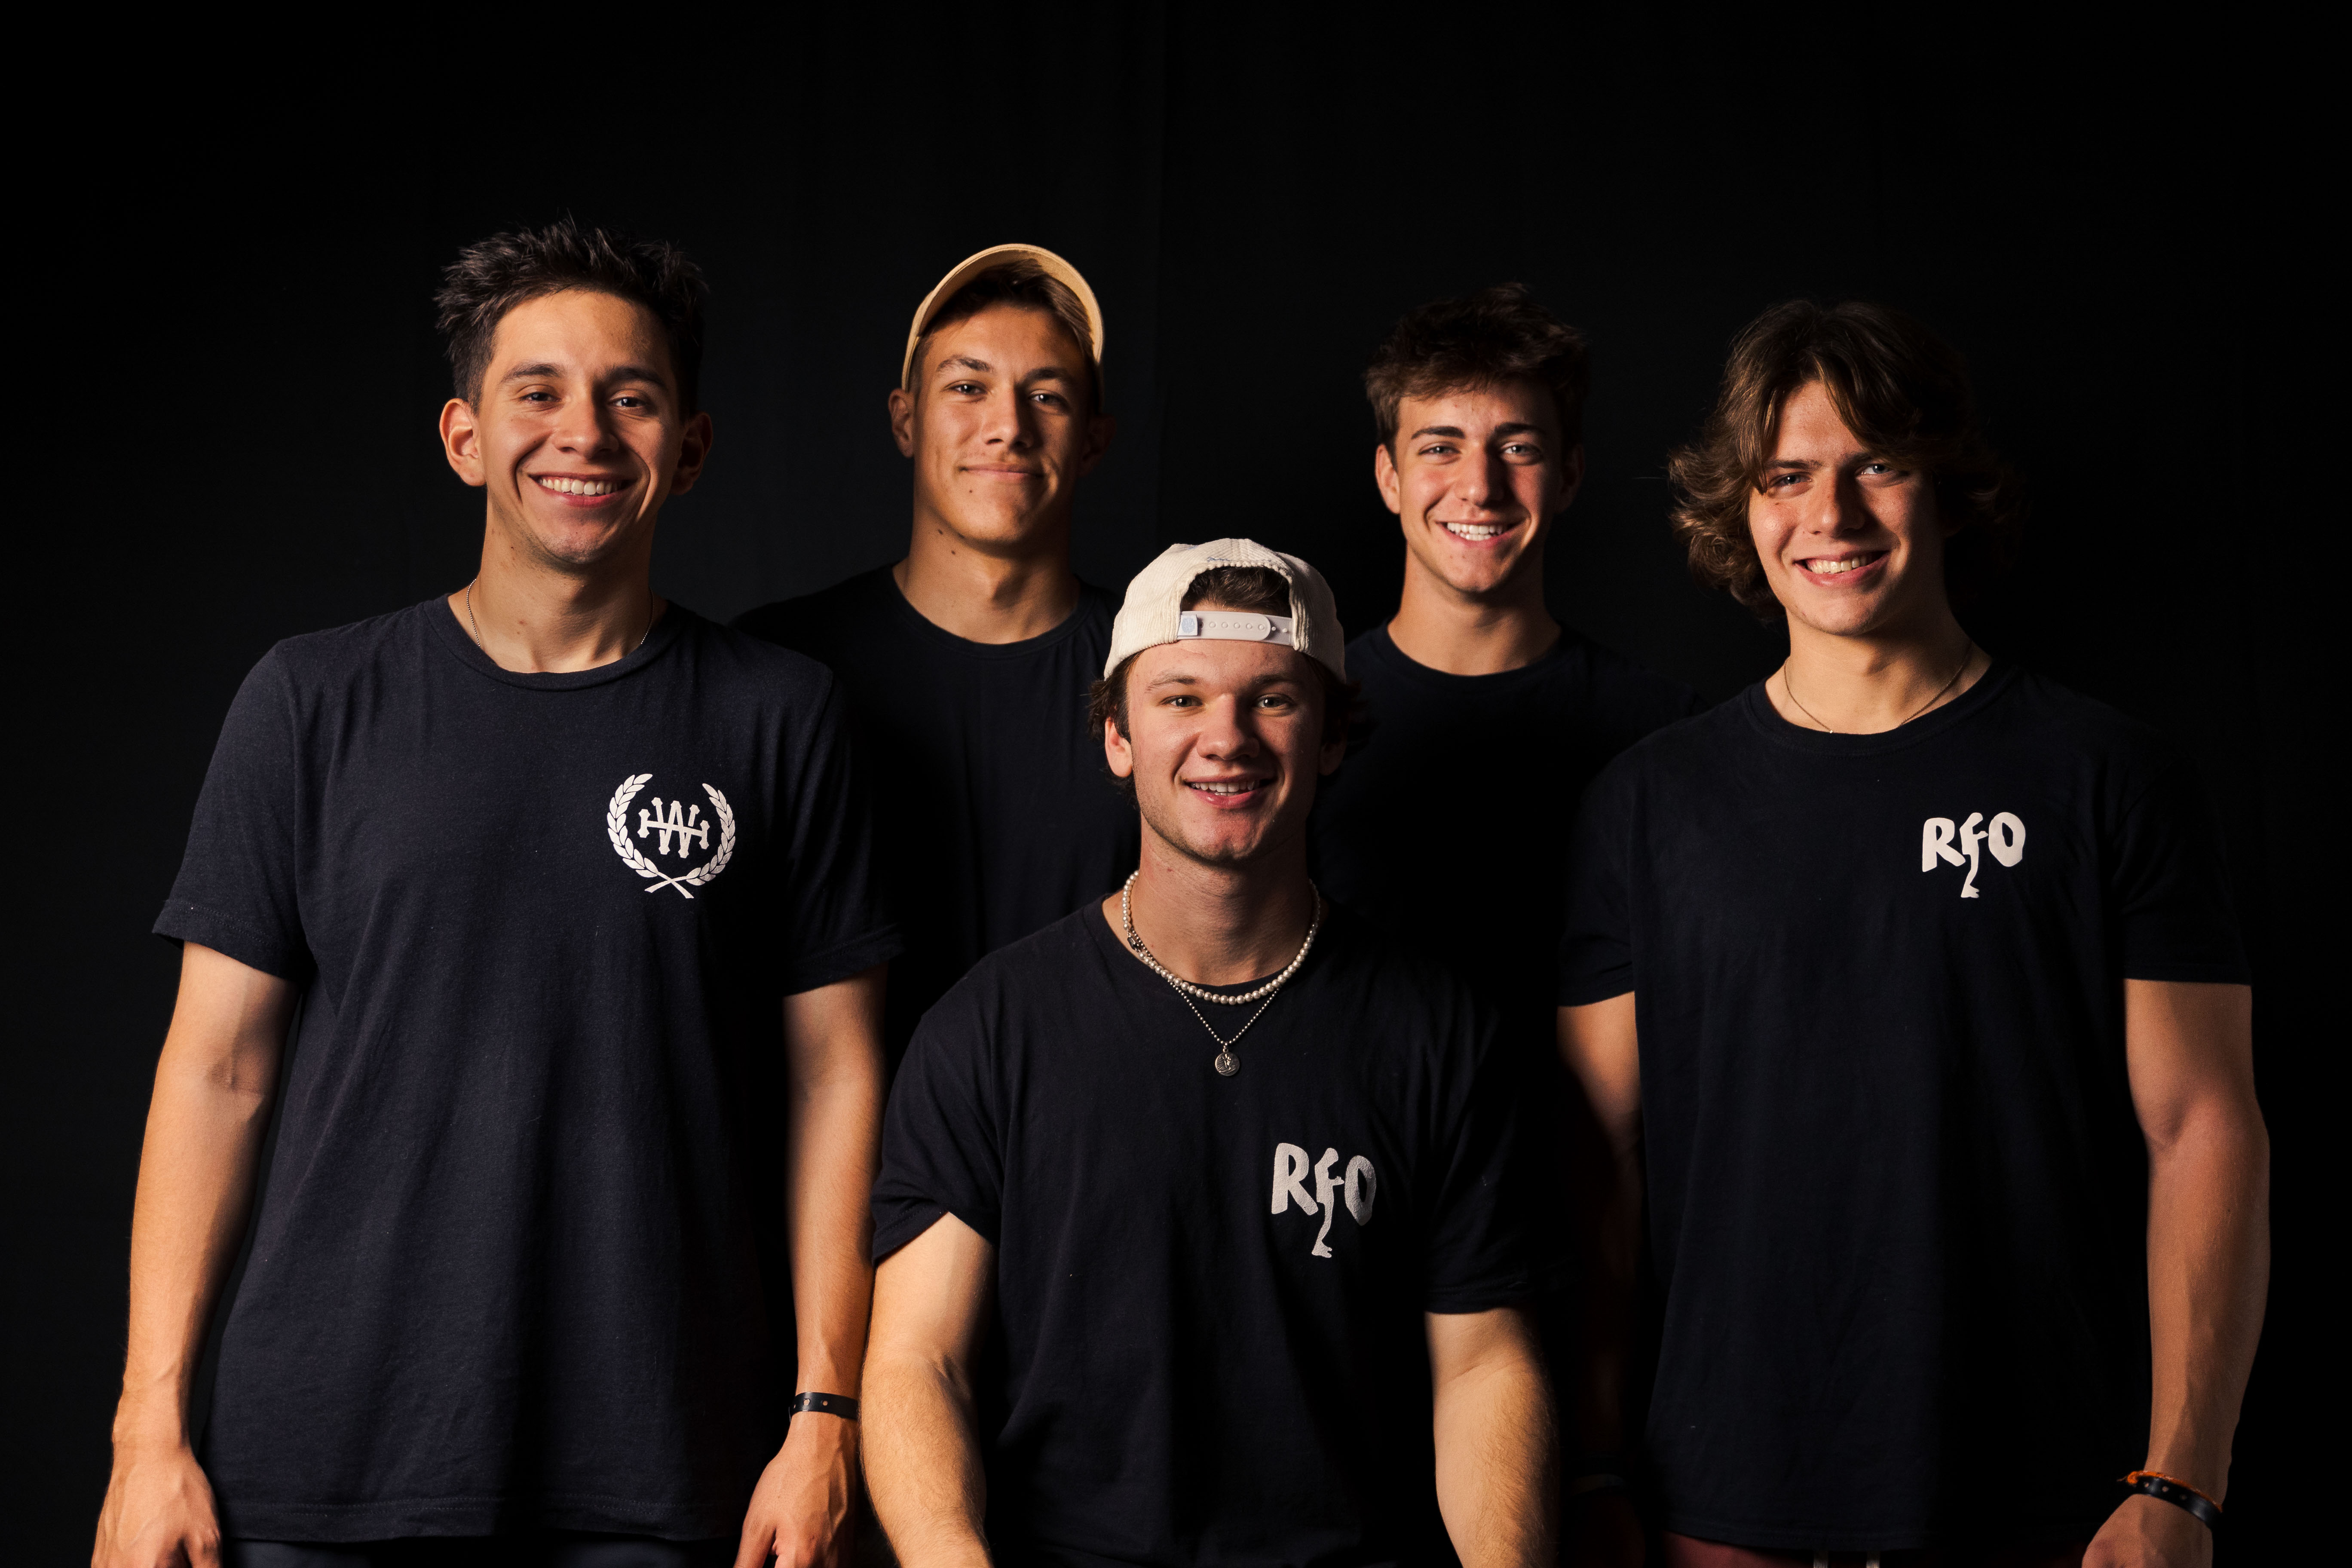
[(1227, 1064)]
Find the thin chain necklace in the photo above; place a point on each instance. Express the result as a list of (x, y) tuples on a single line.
[(651, 617), (1790, 687), (1226, 1063)]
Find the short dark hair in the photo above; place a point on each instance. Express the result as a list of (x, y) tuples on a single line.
[(491, 277), (1260, 590), (1899, 388), (1019, 281), (1495, 335)]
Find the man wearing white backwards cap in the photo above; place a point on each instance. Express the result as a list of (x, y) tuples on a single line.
[(1238, 1177), (968, 660)]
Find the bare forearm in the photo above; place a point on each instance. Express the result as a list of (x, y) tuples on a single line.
[(835, 1134), (923, 1464), (1497, 1465), (2208, 1278), (196, 1182)]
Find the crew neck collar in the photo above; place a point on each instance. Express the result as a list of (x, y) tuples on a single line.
[(1384, 647), (887, 587), (1115, 953), (1757, 707), (461, 647)]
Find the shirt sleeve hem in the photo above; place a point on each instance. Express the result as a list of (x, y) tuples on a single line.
[(841, 961), (2194, 970), (1480, 1298), (1584, 991), (183, 921), (907, 1223)]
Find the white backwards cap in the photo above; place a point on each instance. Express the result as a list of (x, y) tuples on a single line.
[(1155, 613)]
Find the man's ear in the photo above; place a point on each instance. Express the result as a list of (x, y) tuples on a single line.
[(1571, 478), (1384, 474), (461, 441), (1118, 754), (1101, 428), (902, 420), (693, 452)]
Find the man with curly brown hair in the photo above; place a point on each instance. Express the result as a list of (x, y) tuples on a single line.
[(1905, 987)]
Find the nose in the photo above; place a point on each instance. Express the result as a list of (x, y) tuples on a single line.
[(1226, 733), (1482, 480), (1012, 419), (585, 428), (1842, 509)]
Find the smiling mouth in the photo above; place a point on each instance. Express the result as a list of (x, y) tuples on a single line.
[(565, 487), (1225, 789), (1827, 566), (1477, 532)]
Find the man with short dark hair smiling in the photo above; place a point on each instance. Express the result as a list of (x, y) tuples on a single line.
[(1236, 1176), (572, 888), (967, 659)]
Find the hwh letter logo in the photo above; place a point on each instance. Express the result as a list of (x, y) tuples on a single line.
[(1356, 1188), (2006, 836), (684, 822)]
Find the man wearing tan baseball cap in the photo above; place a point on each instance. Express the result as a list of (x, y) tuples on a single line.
[(967, 661), (1238, 1177)]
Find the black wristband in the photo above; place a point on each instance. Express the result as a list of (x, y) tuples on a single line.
[(2164, 1488), (840, 1404)]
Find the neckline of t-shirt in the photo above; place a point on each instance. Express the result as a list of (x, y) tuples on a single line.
[(466, 652), (964, 646), (1768, 722), (1115, 953), (1383, 649)]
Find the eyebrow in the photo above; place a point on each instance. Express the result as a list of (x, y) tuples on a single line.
[(1455, 431), (619, 373)]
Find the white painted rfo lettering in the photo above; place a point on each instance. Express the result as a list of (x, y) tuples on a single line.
[(2005, 836), (1356, 1187)]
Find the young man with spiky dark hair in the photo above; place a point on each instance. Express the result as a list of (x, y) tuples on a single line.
[(1905, 985), (967, 661), (1473, 691), (536, 922)]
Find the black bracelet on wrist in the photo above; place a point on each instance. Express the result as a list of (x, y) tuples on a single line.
[(840, 1404), (2179, 1494)]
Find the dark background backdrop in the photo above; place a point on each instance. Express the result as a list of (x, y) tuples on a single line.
[(240, 444)]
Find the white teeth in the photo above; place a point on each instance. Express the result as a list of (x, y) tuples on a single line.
[(1473, 530), (1242, 788), (1834, 568), (579, 487)]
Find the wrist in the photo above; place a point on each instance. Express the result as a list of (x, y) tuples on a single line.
[(148, 1424)]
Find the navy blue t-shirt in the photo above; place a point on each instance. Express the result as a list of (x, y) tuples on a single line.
[(1896, 1188), (997, 814), (1448, 823), (505, 1272), (1210, 1290)]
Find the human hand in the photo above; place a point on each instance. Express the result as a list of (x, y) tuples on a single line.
[(2146, 1532), (158, 1512), (1601, 1530), (802, 1510)]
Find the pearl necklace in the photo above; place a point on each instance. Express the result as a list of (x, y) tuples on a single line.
[(1226, 1063)]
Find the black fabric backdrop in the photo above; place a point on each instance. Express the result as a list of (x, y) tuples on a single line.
[(241, 445)]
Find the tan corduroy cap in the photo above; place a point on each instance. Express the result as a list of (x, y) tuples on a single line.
[(1154, 612), (973, 265)]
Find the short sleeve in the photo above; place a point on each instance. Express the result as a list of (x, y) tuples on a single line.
[(941, 1148), (237, 888), (2169, 892), (1484, 1249), (1596, 944), (835, 921)]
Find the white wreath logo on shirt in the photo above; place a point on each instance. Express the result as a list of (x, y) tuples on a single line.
[(685, 824)]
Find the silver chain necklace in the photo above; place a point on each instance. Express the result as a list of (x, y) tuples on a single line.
[(1226, 1063), (1790, 687)]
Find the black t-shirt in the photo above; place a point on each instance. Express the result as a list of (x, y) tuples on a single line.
[(1210, 1290), (505, 1269), (1897, 1188), (1448, 823), (997, 816)]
